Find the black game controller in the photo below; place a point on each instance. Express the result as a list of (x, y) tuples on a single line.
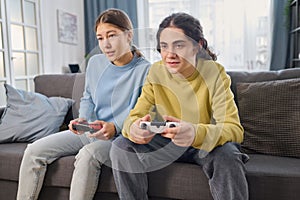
[(86, 127), (157, 127)]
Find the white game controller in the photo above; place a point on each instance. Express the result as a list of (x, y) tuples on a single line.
[(157, 127)]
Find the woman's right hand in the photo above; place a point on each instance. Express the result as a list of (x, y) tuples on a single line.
[(138, 135), (76, 121)]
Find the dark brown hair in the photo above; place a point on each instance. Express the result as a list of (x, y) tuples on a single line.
[(119, 19), (191, 28)]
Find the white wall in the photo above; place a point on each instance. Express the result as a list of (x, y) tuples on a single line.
[(57, 54)]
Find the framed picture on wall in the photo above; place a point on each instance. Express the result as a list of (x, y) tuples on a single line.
[(67, 27)]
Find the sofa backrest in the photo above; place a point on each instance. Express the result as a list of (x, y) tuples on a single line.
[(250, 77), (72, 85), (69, 85)]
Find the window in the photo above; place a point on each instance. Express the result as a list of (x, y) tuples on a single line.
[(20, 51), (237, 31)]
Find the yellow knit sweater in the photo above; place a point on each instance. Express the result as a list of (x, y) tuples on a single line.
[(203, 99)]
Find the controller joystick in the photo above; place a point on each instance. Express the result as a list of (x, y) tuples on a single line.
[(143, 125)]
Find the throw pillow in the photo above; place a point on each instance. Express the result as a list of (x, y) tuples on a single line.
[(270, 115), (29, 116)]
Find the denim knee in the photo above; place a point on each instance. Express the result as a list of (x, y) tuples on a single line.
[(33, 155), (35, 148), (124, 156), (84, 157), (119, 148), (95, 152), (228, 154), (84, 153)]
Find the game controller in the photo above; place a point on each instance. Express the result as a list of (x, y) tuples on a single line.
[(86, 127), (157, 127)]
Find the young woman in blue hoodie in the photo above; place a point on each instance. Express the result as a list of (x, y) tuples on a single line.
[(113, 84)]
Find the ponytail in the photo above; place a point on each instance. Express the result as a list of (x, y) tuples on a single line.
[(136, 51), (212, 55)]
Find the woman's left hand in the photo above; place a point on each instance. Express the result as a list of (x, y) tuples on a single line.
[(107, 131), (182, 135)]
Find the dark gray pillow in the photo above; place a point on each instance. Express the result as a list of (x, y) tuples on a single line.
[(29, 116), (270, 114)]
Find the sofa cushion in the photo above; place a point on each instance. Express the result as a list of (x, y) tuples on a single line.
[(253, 77), (179, 181), (73, 87), (29, 116), (270, 113), (273, 177), (11, 156)]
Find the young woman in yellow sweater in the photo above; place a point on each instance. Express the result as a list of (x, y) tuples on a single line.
[(187, 87)]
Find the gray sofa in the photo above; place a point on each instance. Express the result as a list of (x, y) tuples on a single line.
[(269, 177)]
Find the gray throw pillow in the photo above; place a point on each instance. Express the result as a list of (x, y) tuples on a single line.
[(270, 115), (29, 116)]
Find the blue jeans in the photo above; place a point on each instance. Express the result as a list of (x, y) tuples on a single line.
[(91, 154), (224, 167)]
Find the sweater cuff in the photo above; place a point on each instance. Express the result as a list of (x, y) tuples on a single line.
[(199, 136)]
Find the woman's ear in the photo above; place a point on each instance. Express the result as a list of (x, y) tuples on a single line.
[(130, 36), (197, 47), (200, 44)]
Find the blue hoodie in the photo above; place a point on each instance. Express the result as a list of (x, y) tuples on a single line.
[(111, 91)]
